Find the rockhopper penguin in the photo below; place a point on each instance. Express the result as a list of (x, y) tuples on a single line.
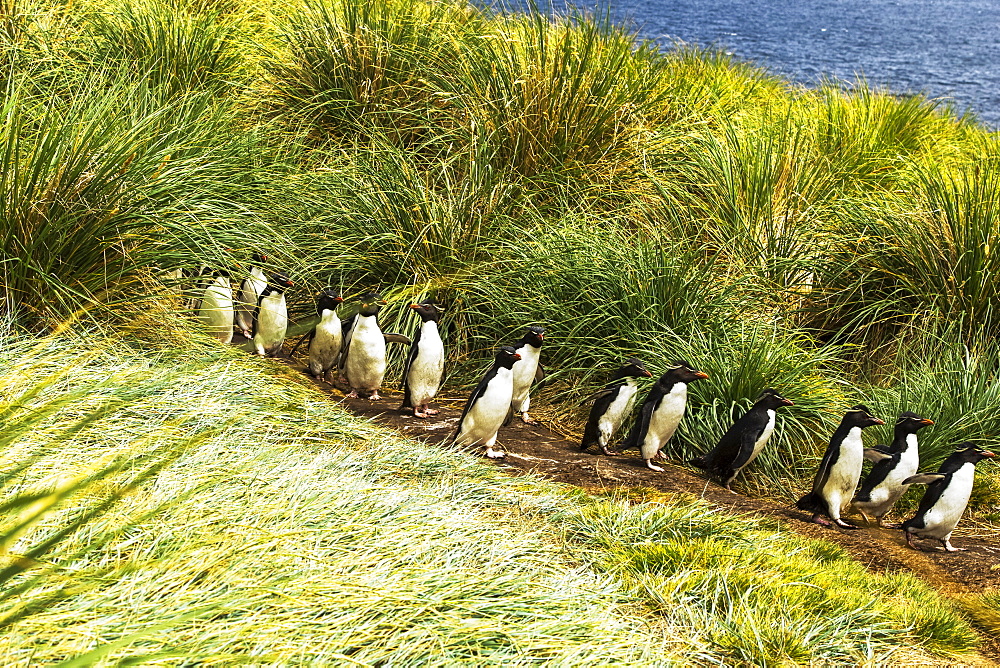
[(884, 484), (743, 441), (215, 307), (527, 370), (249, 294), (489, 404), (326, 338), (425, 363), (363, 352), (612, 404), (661, 412), (840, 469), (947, 494), (270, 318)]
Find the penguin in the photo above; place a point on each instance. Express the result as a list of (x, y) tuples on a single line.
[(884, 484), (743, 441), (840, 469), (326, 338), (363, 352), (249, 294), (270, 318), (527, 370), (425, 363), (489, 404), (612, 404), (661, 412), (215, 306), (946, 497)]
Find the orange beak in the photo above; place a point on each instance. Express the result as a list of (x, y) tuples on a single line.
[(700, 374), (927, 422)]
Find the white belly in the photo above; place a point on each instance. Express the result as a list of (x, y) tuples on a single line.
[(216, 309), (486, 416), (944, 515), (324, 348), (524, 373), (272, 323), (619, 408), (663, 423), (424, 374), (246, 300), (365, 365), (843, 476), (887, 492), (762, 439)]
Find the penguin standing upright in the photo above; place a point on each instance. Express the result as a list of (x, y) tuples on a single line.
[(884, 484), (743, 441), (215, 306), (489, 404), (947, 495), (527, 370), (249, 294), (840, 469), (363, 352), (425, 363), (661, 412), (270, 318), (612, 404), (326, 339)]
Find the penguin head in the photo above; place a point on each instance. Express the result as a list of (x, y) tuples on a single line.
[(534, 336), (681, 372), (909, 423), (258, 258), (771, 400), (970, 452), (860, 416), (371, 304), (427, 310), (506, 356), (278, 282), (328, 300), (633, 368)]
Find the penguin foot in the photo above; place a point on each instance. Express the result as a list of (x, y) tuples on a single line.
[(417, 414), (495, 454), (818, 519), (374, 396), (609, 453), (951, 548), (653, 467), (430, 411), (527, 420), (844, 525), (352, 395), (909, 541)]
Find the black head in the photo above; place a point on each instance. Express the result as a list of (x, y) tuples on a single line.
[(328, 300), (771, 400), (633, 368), (371, 303), (859, 416), (506, 356), (910, 423), (969, 452), (278, 282), (427, 310), (534, 336), (681, 372), (258, 258)]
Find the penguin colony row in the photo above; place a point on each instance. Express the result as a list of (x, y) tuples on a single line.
[(357, 347)]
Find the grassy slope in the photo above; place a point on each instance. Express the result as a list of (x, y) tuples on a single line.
[(286, 531)]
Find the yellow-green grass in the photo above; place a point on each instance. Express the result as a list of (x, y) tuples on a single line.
[(277, 529)]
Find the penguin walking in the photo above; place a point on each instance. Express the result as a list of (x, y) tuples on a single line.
[(840, 469), (527, 370), (946, 497), (270, 318), (249, 294), (364, 349), (884, 484), (661, 412), (743, 441), (612, 404), (215, 306), (326, 339), (489, 404), (425, 363)]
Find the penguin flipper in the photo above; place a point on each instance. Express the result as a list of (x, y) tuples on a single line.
[(410, 357), (510, 416), (641, 425), (811, 502), (540, 373), (924, 478), (876, 454), (391, 337)]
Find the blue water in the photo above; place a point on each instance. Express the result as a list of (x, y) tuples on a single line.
[(947, 49)]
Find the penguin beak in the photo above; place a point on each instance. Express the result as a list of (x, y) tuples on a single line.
[(517, 356), (927, 422), (647, 373), (338, 299), (382, 301), (414, 305), (987, 453), (875, 420), (700, 374), (789, 402)]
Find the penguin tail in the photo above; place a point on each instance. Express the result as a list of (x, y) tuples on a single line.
[(699, 461), (811, 502), (510, 416)]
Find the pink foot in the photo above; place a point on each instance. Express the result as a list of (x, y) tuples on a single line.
[(374, 396), (352, 395), (431, 411)]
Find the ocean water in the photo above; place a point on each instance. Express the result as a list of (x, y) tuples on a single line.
[(947, 49)]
